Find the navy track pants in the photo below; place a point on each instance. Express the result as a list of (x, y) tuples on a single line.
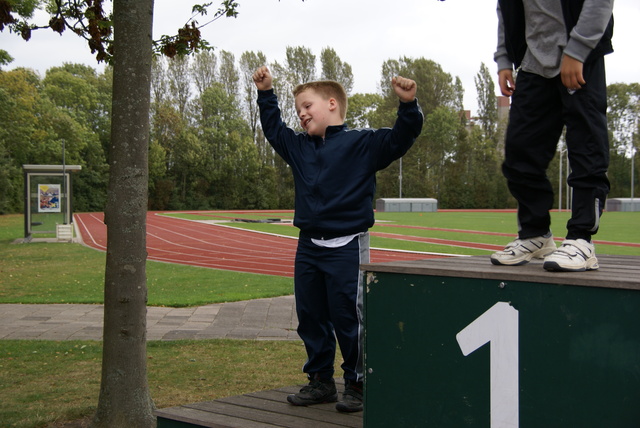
[(329, 303)]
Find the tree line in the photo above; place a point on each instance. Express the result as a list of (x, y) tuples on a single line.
[(207, 150)]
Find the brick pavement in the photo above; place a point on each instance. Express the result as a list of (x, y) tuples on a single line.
[(260, 319)]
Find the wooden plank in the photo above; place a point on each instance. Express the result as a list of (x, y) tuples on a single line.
[(268, 412), (615, 271), (197, 418), (322, 412)]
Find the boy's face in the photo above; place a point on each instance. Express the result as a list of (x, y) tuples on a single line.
[(316, 113)]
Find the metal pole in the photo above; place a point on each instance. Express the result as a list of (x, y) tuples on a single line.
[(633, 152), (560, 183), (64, 180), (569, 190), (400, 178)]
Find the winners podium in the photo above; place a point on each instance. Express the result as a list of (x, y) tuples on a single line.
[(458, 342)]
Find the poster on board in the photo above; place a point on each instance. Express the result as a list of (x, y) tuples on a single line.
[(48, 198)]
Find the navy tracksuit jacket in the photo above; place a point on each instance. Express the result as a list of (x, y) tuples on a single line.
[(334, 189)]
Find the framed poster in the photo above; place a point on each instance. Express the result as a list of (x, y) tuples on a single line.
[(49, 198)]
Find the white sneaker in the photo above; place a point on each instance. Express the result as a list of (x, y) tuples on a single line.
[(521, 251), (573, 256)]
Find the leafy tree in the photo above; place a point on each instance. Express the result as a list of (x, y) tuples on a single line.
[(231, 157), (159, 82), (487, 103), (623, 114), (68, 106), (623, 117), (11, 190), (249, 62), (229, 76), (19, 105), (203, 70), (301, 64), (441, 130), (283, 84), (334, 69), (9, 172), (5, 58), (423, 164), (460, 181), (361, 109), (178, 73), (299, 67), (80, 116), (435, 87), (89, 20)]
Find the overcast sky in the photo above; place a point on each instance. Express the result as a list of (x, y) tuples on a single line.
[(457, 34)]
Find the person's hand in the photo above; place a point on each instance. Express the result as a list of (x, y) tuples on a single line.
[(404, 88), (571, 73), (263, 79), (506, 82)]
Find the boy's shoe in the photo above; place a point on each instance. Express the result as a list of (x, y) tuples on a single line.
[(573, 256), (521, 251), (318, 391), (351, 398)]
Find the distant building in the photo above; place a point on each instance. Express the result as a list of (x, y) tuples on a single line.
[(503, 107), (502, 103)]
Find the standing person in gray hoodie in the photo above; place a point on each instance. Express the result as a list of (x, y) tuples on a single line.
[(557, 48)]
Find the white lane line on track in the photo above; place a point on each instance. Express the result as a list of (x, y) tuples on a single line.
[(88, 231)]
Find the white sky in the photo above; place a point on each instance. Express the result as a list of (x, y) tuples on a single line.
[(457, 34)]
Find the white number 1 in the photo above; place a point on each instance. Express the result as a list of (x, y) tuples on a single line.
[(499, 327)]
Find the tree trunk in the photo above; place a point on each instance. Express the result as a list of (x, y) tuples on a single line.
[(125, 400)]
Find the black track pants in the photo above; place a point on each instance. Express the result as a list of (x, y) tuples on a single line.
[(540, 108)]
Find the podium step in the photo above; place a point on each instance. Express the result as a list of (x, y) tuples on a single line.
[(262, 409)]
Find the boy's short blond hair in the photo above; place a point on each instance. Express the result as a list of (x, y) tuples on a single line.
[(326, 89)]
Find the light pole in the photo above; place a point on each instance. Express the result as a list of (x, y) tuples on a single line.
[(64, 187), (633, 153), (569, 190), (560, 181), (565, 181), (400, 178)]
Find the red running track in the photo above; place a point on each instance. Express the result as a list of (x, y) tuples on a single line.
[(217, 246)]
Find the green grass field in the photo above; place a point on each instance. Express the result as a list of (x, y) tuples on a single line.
[(43, 383)]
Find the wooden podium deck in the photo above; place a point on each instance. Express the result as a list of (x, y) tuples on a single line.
[(265, 409), (615, 271)]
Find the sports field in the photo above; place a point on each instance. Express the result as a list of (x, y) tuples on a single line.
[(264, 241)]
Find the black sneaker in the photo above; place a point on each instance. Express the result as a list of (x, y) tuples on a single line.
[(351, 398), (318, 391)]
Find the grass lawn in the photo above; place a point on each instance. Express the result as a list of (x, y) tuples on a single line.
[(46, 382), (73, 273)]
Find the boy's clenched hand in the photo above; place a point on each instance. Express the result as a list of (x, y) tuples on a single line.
[(263, 79), (404, 88)]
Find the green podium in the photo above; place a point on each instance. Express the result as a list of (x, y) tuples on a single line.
[(459, 342)]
